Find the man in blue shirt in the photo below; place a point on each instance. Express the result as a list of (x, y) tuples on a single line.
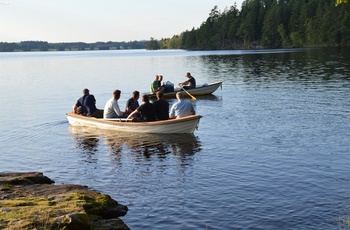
[(181, 108), (86, 105)]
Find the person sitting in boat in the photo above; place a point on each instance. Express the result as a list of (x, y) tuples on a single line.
[(162, 107), (190, 83), (147, 110), (181, 108), (155, 85), (132, 103), (112, 109), (161, 86), (86, 105)]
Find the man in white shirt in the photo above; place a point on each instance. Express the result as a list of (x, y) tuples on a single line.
[(112, 109), (181, 108)]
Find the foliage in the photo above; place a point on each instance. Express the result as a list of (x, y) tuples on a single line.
[(340, 1), (269, 24), (152, 44), (259, 24)]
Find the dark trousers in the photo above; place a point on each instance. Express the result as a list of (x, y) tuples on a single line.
[(98, 113)]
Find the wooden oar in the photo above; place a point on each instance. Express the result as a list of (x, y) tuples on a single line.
[(193, 98)]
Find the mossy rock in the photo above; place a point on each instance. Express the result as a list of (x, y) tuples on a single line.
[(46, 206)]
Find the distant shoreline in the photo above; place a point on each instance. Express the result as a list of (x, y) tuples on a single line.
[(35, 46)]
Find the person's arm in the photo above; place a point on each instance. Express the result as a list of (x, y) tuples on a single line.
[(184, 83), (127, 107), (76, 106), (117, 109), (172, 112), (75, 109), (132, 114)]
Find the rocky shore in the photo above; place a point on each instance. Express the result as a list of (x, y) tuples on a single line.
[(32, 201)]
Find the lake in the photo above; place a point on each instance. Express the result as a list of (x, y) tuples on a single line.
[(271, 152)]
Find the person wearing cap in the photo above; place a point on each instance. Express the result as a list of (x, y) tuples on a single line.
[(190, 83), (86, 105), (162, 107), (112, 109), (181, 108)]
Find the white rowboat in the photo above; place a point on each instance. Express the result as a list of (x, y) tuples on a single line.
[(179, 125), (199, 91)]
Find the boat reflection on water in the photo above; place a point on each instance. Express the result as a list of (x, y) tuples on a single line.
[(91, 140)]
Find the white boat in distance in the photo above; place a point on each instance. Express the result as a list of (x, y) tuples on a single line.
[(205, 89), (179, 125)]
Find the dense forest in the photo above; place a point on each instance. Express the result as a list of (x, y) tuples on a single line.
[(259, 24), (269, 24)]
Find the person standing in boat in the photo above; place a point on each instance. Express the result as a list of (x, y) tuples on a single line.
[(181, 108), (190, 83), (132, 103), (162, 107), (160, 79), (86, 105), (155, 85), (161, 86), (112, 109), (147, 110)]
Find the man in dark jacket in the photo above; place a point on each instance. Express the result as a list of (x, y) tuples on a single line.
[(86, 105), (162, 107)]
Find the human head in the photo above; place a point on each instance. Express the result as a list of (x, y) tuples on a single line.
[(159, 94), (145, 98), (156, 78), (116, 94), (136, 94), (188, 74), (179, 95), (160, 78), (85, 91)]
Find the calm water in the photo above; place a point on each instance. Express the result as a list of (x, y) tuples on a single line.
[(272, 149)]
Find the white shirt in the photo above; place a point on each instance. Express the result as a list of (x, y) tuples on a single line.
[(112, 109)]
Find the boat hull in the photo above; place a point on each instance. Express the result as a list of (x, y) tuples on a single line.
[(180, 125), (199, 91)]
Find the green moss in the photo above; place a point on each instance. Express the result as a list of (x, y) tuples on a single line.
[(41, 211), (38, 210)]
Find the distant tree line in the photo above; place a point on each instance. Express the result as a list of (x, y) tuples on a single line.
[(259, 24), (269, 24), (66, 46)]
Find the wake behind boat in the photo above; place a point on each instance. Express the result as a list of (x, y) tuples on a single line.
[(179, 125), (205, 89)]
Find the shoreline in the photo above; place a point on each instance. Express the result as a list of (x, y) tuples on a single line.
[(30, 200)]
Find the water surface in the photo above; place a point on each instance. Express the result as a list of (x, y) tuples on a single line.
[(271, 151)]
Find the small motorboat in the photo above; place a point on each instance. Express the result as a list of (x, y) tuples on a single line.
[(204, 89)]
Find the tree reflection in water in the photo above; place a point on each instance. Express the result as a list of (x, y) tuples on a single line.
[(87, 143), (141, 146)]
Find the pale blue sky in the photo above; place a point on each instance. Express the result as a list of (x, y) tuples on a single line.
[(103, 20)]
